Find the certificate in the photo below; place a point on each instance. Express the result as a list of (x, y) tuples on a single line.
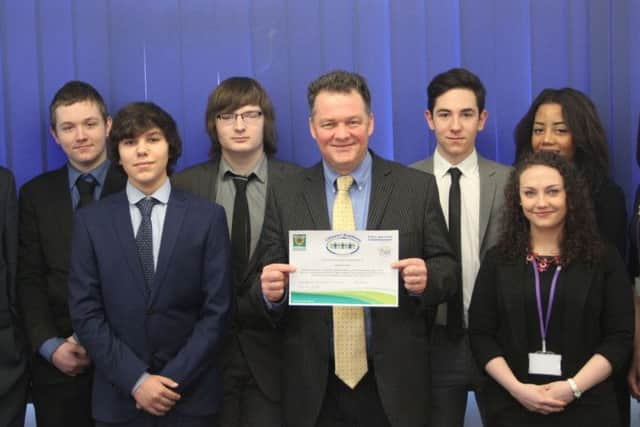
[(351, 268)]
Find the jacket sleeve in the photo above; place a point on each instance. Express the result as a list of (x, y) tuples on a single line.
[(112, 357)]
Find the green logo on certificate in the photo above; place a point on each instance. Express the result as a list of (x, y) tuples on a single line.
[(299, 241)]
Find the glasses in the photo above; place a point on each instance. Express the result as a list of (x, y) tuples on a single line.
[(248, 117)]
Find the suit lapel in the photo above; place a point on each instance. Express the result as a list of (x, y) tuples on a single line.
[(60, 201), (487, 196), (176, 209), (428, 165), (274, 173), (381, 188), (124, 232), (316, 199), (208, 185)]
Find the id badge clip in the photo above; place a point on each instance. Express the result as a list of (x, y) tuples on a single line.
[(545, 362)]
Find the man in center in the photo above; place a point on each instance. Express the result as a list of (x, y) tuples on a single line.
[(384, 195)]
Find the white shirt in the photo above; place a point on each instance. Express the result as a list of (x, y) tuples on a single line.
[(469, 221), (157, 214)]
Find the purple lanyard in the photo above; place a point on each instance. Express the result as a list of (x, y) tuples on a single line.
[(544, 321)]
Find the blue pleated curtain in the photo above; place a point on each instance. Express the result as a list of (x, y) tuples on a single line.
[(173, 52)]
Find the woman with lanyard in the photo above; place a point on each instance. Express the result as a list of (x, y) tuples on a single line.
[(551, 315)]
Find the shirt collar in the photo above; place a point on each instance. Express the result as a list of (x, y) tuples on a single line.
[(134, 195), (361, 175), (259, 170), (99, 173), (468, 166)]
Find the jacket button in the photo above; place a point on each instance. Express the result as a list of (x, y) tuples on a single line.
[(150, 312)]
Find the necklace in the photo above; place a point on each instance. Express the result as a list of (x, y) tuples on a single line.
[(542, 263)]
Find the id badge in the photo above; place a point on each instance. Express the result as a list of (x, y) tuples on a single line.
[(545, 363)]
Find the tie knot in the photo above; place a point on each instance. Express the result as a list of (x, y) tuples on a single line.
[(240, 181), (86, 184), (146, 205), (344, 182), (455, 174)]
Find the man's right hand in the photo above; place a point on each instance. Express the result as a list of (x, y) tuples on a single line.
[(274, 280), (155, 395), (71, 358)]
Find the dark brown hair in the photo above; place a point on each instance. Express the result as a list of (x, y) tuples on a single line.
[(580, 240), (234, 93), (137, 118), (456, 78)]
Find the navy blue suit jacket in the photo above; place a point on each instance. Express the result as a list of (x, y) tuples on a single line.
[(176, 329)]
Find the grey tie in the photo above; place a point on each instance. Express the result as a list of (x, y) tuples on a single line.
[(144, 239)]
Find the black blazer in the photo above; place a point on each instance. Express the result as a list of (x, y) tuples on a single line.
[(12, 354), (610, 208), (46, 219), (259, 341), (403, 199), (598, 318)]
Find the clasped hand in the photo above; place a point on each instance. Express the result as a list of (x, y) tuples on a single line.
[(545, 398)]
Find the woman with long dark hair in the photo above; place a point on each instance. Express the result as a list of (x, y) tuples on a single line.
[(566, 122), (551, 315)]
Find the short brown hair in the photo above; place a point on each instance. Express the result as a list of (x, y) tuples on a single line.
[(339, 81), (234, 93), (72, 92)]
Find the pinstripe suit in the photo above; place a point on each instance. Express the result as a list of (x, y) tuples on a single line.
[(402, 199)]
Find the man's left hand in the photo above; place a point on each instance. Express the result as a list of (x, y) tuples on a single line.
[(414, 274)]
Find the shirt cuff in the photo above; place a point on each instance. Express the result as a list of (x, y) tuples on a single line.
[(636, 286), (274, 306), (139, 382), (49, 347)]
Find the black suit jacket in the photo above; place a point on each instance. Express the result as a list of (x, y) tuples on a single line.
[(12, 355), (598, 318), (46, 219), (403, 199), (610, 209), (259, 341)]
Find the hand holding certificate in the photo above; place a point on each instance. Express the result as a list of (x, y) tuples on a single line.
[(343, 268)]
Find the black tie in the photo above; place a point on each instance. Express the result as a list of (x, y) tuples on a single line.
[(454, 305), (144, 239), (86, 185), (240, 226)]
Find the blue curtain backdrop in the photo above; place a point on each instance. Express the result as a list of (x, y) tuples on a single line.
[(174, 52)]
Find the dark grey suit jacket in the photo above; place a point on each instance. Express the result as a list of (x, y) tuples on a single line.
[(402, 199), (493, 178), (260, 342)]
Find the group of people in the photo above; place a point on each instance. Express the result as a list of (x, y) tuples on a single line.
[(133, 296)]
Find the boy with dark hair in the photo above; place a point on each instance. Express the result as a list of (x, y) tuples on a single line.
[(471, 195), (150, 285)]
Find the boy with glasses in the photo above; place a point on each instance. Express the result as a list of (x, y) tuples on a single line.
[(239, 175)]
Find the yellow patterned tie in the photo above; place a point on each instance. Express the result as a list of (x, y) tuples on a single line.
[(349, 346)]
